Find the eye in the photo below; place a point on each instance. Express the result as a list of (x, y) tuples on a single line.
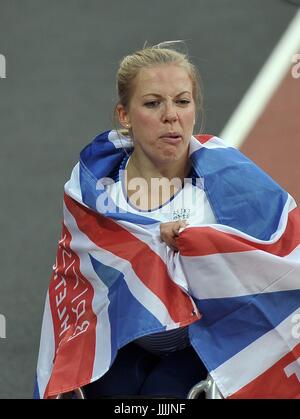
[(152, 104), (183, 101)]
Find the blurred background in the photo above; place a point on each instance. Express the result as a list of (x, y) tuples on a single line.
[(61, 57)]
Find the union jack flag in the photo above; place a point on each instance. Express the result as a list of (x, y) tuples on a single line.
[(235, 283)]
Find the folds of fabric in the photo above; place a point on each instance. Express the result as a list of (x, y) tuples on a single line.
[(235, 283)]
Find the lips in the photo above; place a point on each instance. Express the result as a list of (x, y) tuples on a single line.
[(171, 137)]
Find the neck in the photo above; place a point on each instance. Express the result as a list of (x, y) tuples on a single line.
[(156, 191), (148, 170)]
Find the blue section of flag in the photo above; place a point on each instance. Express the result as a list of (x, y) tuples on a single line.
[(36, 393), (99, 160), (97, 199), (231, 324), (101, 156), (241, 194), (129, 319)]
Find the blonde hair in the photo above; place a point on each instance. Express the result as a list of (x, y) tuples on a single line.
[(150, 56)]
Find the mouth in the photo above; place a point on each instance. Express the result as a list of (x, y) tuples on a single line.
[(171, 138)]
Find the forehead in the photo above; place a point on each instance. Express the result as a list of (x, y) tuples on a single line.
[(163, 79)]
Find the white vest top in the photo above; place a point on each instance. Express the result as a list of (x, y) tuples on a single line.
[(189, 203)]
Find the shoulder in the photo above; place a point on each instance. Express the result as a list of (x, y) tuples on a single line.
[(203, 138), (208, 140)]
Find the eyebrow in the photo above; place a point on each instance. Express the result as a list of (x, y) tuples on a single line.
[(158, 95)]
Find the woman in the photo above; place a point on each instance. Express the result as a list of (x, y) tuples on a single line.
[(158, 92), (159, 228)]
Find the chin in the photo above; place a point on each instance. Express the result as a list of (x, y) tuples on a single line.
[(174, 153), (170, 157)]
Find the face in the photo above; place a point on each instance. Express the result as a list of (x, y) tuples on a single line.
[(161, 114)]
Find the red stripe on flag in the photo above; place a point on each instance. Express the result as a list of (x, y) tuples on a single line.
[(74, 321), (281, 381), (202, 241), (147, 265), (203, 138)]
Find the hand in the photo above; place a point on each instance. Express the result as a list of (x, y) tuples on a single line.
[(170, 231)]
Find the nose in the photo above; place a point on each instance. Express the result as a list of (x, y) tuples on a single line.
[(170, 113)]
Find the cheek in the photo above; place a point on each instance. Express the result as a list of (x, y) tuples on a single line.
[(143, 121), (190, 116)]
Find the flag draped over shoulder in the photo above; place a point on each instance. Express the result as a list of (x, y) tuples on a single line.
[(236, 283)]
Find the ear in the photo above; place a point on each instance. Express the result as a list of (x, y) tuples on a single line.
[(123, 116)]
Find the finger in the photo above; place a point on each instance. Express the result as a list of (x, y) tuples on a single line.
[(179, 226), (176, 227), (170, 240)]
